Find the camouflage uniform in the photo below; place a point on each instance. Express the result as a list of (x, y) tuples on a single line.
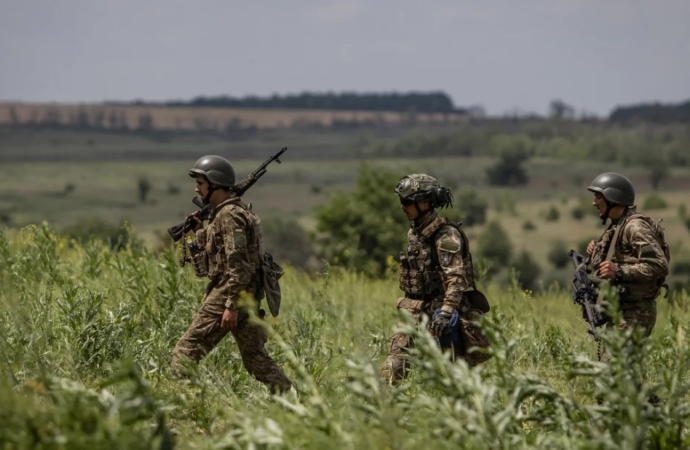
[(640, 255), (435, 272), (232, 241)]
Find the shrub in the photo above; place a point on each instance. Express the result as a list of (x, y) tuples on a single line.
[(654, 201), (472, 207), (558, 255)]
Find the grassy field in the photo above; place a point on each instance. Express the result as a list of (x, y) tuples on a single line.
[(33, 192), (86, 338)]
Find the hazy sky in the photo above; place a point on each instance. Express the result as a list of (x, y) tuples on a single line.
[(501, 54)]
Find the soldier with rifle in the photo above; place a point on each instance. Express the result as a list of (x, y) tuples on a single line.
[(632, 254), (230, 252)]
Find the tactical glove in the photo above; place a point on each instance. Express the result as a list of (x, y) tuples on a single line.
[(441, 321)]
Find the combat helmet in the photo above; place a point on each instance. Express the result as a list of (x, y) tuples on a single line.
[(615, 188), (216, 169), (420, 187)]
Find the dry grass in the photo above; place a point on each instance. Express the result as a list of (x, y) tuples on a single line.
[(181, 118)]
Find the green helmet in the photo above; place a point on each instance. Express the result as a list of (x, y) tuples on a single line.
[(616, 189), (216, 169), (419, 187)]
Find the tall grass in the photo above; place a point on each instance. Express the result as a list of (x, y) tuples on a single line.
[(86, 336)]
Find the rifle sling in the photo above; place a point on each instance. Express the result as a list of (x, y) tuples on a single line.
[(609, 254)]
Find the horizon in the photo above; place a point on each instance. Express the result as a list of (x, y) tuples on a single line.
[(504, 57)]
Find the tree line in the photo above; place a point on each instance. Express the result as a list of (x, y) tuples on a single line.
[(423, 102)]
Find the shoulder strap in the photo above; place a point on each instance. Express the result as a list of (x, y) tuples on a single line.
[(609, 254)]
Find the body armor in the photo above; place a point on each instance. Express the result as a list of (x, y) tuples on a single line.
[(421, 276), (631, 294)]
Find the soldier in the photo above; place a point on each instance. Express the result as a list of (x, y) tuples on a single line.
[(632, 253), (231, 244), (436, 275)]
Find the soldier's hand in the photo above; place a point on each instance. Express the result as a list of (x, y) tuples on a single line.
[(198, 224), (590, 247), (229, 321), (441, 321), (607, 270)]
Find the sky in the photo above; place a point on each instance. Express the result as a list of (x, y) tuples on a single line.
[(505, 55)]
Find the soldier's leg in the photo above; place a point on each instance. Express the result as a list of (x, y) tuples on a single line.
[(251, 340), (201, 337), (633, 317), (395, 368)]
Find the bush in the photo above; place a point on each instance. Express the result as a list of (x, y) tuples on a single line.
[(681, 268), (682, 211), (494, 244), (116, 236), (578, 212), (361, 229), (552, 214), (287, 241), (528, 225), (654, 201), (173, 189), (472, 207), (528, 269), (558, 255), (143, 188)]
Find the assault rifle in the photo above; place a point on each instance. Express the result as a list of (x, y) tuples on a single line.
[(178, 231), (585, 295)]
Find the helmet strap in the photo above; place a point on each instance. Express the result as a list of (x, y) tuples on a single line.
[(211, 189)]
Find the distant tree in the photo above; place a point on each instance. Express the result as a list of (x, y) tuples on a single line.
[(144, 187), (472, 207), (145, 122), (658, 171), (14, 117), (508, 171), (558, 109)]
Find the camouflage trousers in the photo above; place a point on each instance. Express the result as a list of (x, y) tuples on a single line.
[(395, 368), (643, 318), (205, 333)]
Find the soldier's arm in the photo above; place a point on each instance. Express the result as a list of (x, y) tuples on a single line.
[(233, 227), (449, 253), (652, 264)]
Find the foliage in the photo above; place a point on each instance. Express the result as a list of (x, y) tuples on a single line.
[(143, 188), (527, 269), (558, 255), (115, 235), (87, 334), (654, 201), (472, 207), (508, 171), (552, 214), (361, 229), (288, 242), (494, 244)]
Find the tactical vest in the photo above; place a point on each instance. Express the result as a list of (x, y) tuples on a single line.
[(421, 276), (632, 293), (251, 239)]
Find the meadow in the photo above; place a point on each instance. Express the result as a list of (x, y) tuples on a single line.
[(86, 337), (87, 327)]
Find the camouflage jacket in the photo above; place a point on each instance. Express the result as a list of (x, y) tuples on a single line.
[(640, 254), (437, 265), (233, 241)]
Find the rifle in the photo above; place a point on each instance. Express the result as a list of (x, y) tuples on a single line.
[(584, 293), (176, 232)]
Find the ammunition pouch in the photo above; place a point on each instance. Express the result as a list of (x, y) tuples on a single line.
[(419, 283), (197, 257), (270, 274)]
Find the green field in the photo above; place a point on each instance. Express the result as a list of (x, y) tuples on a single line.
[(86, 332), (86, 338)]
